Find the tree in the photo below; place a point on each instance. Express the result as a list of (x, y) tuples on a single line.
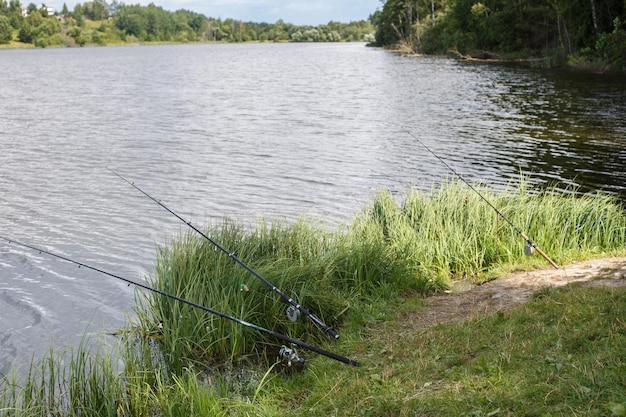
[(114, 7), (25, 33), (96, 10), (392, 23), (6, 30), (507, 27), (15, 6), (130, 22)]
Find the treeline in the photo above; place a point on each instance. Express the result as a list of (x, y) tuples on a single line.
[(152, 23), (101, 23), (584, 32)]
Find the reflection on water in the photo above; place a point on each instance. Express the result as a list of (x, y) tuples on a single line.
[(274, 130)]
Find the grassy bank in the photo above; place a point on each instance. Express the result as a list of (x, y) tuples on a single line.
[(563, 353), (416, 245)]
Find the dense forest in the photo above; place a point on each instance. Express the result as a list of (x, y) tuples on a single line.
[(101, 23), (587, 34)]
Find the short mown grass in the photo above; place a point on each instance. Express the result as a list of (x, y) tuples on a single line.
[(562, 354)]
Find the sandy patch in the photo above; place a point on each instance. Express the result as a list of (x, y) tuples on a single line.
[(514, 289)]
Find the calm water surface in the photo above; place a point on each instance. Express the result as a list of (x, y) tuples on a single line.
[(244, 131)]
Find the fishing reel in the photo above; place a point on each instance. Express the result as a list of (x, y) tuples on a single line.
[(289, 356), (529, 248), (293, 314)]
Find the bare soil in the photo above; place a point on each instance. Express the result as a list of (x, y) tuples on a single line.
[(509, 291)]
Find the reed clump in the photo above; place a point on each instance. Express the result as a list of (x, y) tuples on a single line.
[(130, 381), (417, 243)]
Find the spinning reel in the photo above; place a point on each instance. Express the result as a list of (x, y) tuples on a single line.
[(289, 356), (293, 314)]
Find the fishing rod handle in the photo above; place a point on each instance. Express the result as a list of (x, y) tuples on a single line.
[(542, 253), (321, 324), (316, 320), (332, 332), (547, 258), (310, 347)]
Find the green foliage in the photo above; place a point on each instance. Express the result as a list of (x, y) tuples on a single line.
[(96, 10), (42, 31), (6, 30), (194, 269), (151, 23), (80, 382), (609, 53), (508, 28), (567, 358), (393, 25), (560, 354)]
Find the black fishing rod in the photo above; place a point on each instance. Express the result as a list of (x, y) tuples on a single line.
[(531, 246), (295, 307), (288, 353)]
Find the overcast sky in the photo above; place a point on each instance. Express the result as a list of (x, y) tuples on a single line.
[(299, 12)]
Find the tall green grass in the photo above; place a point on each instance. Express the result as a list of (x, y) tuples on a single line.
[(132, 381), (415, 243), (77, 382)]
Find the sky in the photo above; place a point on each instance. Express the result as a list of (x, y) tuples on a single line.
[(298, 12)]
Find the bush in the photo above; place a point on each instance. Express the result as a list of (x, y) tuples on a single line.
[(97, 38), (611, 47)]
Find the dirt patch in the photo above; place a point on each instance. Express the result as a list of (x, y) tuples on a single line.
[(514, 289)]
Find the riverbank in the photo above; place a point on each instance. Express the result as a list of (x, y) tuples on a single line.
[(528, 343), (574, 63), (457, 352)]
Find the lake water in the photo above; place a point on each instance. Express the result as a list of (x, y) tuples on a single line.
[(245, 131)]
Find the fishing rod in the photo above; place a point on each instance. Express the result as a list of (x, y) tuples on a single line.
[(294, 309), (530, 245), (285, 352)]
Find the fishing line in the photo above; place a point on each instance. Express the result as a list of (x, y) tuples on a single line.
[(286, 350), (530, 245), (285, 297)]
